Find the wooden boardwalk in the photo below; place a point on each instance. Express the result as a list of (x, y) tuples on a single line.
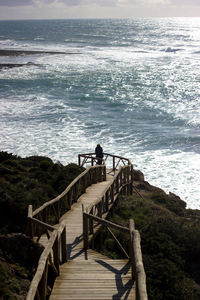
[(67, 268), (88, 274)]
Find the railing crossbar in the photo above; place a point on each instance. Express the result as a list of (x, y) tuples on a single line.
[(118, 242)]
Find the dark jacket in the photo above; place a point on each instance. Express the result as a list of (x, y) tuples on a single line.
[(99, 151)]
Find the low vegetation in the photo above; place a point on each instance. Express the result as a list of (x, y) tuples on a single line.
[(170, 236)]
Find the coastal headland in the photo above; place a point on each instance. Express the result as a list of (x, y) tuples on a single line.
[(12, 52)]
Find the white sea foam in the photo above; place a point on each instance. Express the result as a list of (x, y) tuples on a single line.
[(174, 172), (120, 90)]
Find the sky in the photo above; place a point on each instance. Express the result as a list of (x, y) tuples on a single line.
[(63, 9)]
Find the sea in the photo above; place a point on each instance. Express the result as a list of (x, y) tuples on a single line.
[(131, 85)]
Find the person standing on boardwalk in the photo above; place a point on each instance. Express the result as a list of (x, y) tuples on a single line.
[(99, 154)]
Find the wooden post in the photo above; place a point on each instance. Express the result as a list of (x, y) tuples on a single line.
[(99, 209), (131, 179), (104, 173), (85, 231), (113, 163), (56, 254), (120, 179), (88, 178), (30, 223), (64, 246), (112, 192), (127, 174), (99, 174), (79, 160), (84, 183), (91, 225), (117, 184), (141, 292), (76, 188), (124, 176), (131, 228), (42, 288), (107, 201)]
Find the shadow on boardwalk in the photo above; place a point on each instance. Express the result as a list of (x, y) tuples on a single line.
[(123, 289)]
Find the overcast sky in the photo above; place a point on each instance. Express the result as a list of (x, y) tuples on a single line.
[(56, 9)]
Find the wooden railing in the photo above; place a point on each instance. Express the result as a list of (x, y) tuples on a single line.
[(137, 263), (112, 161), (43, 221), (51, 211), (92, 222), (120, 184), (135, 254), (54, 254)]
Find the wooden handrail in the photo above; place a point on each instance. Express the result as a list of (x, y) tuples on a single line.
[(70, 195), (38, 288), (120, 184), (135, 253), (38, 221), (105, 222), (62, 194), (116, 159), (137, 263), (66, 190)]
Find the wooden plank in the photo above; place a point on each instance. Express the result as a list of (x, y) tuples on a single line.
[(91, 297)]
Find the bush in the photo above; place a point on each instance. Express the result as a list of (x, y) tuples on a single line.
[(33, 180), (170, 244)]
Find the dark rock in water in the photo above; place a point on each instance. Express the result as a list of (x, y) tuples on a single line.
[(9, 66), (13, 52), (22, 249)]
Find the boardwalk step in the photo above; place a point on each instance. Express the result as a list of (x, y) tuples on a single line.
[(94, 279)]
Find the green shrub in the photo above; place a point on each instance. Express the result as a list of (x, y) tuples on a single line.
[(170, 244), (5, 156), (33, 180)]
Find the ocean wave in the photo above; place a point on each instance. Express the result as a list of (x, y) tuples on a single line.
[(170, 49), (39, 39), (8, 43), (135, 99)]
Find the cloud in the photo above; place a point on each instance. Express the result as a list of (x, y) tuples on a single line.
[(114, 3), (90, 2), (16, 2), (105, 3), (185, 2)]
